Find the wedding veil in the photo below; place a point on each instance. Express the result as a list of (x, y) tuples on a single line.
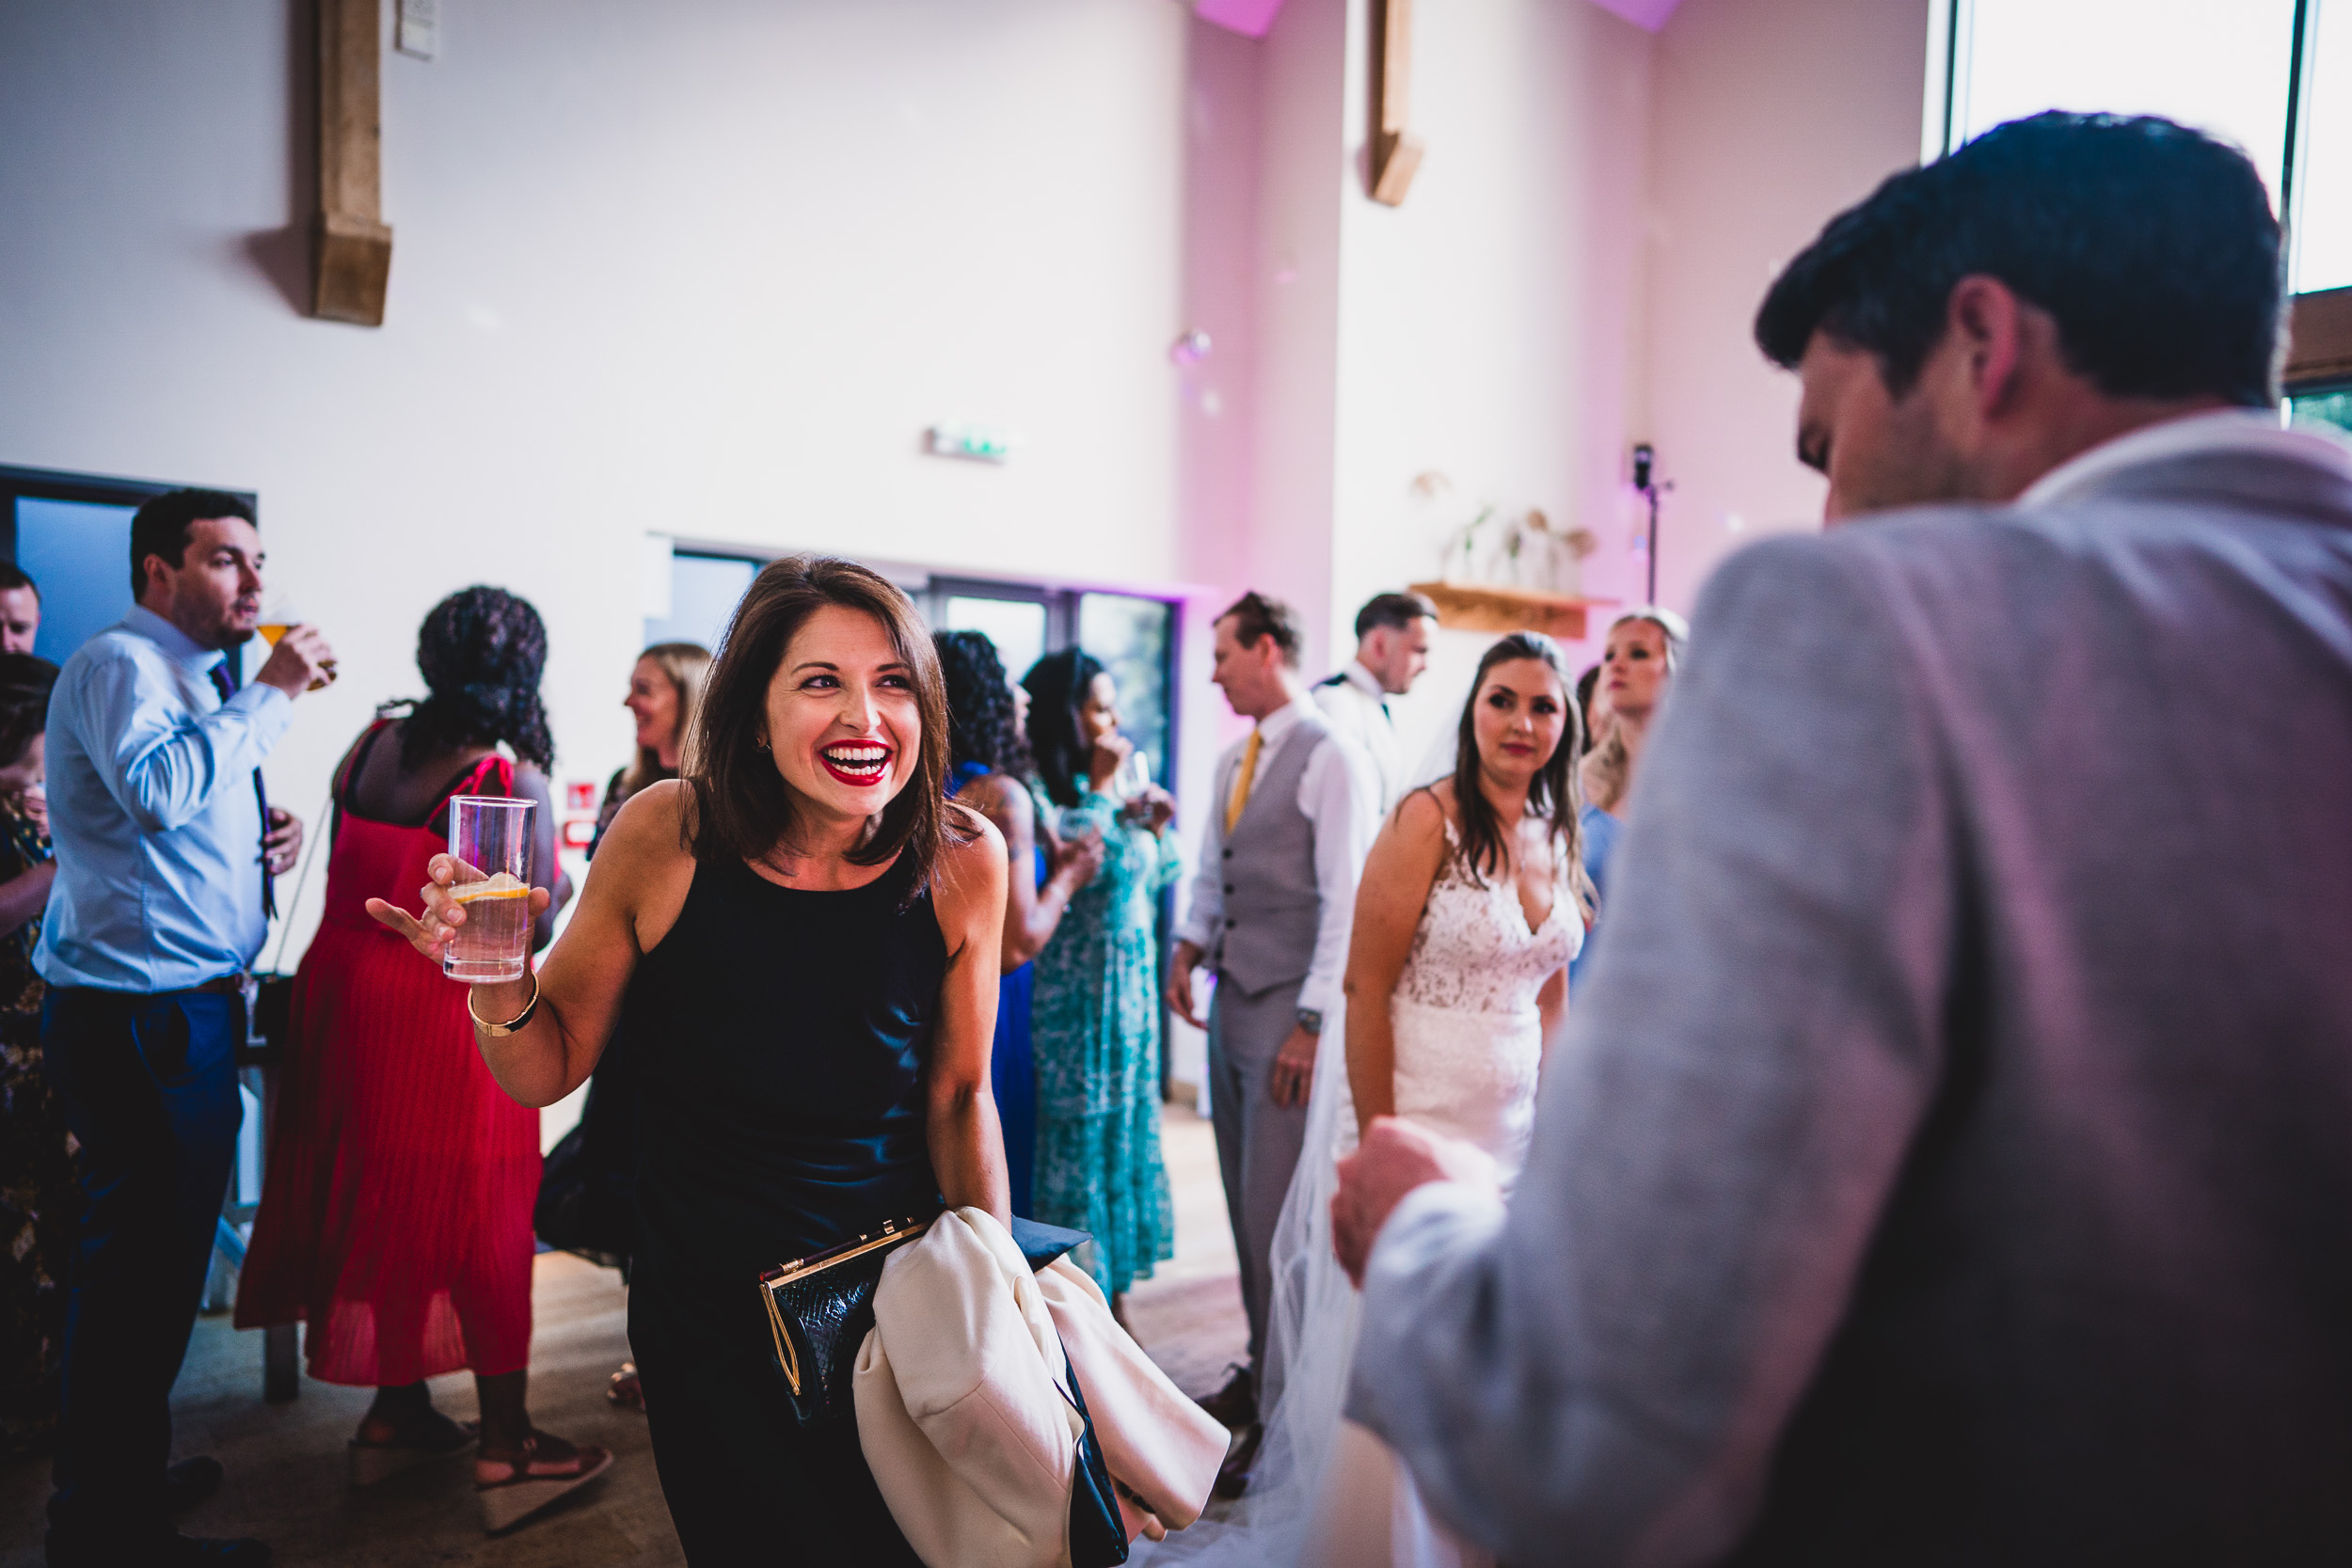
[(1310, 1340)]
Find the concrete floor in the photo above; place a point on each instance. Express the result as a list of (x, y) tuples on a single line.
[(287, 1481)]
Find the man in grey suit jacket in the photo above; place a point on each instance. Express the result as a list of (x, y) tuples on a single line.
[(1951, 1160), (1270, 914)]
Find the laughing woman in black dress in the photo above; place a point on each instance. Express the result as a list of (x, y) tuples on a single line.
[(802, 932)]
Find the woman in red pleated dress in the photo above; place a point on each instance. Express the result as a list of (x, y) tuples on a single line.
[(396, 1218)]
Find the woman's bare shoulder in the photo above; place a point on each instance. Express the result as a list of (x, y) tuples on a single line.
[(998, 795), (1422, 815), (654, 824), (971, 842)]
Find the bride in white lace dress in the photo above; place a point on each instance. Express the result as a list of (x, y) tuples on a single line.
[(1472, 903)]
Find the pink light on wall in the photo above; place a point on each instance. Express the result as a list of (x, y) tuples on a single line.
[(1649, 15), (1249, 18)]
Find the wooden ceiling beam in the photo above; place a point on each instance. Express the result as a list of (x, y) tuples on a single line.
[(351, 247)]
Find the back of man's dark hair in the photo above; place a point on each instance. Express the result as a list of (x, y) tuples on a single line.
[(13, 577), (1393, 611), (2152, 244), (1255, 616), (160, 526), (26, 682)]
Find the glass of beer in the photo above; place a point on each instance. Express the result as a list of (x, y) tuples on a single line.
[(489, 838), (278, 617)]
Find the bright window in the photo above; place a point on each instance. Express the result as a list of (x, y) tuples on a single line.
[(2222, 66), (2227, 67), (2323, 179)]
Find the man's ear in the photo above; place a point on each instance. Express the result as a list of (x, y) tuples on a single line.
[(1986, 321)]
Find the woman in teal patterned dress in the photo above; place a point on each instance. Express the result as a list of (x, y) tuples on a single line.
[(1095, 1023)]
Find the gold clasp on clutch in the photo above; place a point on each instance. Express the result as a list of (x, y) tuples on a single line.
[(892, 1232)]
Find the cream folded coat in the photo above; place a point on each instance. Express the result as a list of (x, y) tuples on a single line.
[(963, 1413)]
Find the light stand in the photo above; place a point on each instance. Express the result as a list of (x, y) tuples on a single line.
[(1646, 483)]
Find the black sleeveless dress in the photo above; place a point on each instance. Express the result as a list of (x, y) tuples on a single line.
[(780, 1038)]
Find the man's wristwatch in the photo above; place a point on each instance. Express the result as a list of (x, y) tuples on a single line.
[(1310, 1021)]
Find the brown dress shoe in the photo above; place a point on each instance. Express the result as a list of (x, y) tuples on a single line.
[(1236, 1406), (1233, 1477)]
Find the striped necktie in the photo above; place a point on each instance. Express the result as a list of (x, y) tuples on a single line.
[(1242, 777), (226, 683)]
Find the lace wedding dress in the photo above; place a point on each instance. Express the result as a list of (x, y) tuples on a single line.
[(1468, 1044)]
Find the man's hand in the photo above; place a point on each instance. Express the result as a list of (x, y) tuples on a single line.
[(1395, 1157), (281, 845), (1294, 1072), (1181, 964), (301, 662)]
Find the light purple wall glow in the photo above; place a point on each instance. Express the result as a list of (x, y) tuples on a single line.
[(1249, 18)]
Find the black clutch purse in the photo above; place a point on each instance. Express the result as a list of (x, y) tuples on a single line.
[(821, 1307)]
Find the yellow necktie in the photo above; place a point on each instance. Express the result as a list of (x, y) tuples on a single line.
[(1242, 776)]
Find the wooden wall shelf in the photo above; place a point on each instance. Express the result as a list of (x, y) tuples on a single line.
[(1485, 607), (2320, 338)]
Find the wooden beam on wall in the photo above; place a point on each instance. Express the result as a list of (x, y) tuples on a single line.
[(2319, 338), (351, 251), (1395, 151)]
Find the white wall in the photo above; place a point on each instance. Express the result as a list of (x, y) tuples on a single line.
[(707, 268), (1768, 117), (1488, 326)]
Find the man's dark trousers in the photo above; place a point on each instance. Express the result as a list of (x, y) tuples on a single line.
[(148, 1082)]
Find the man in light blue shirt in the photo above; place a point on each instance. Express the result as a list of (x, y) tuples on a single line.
[(166, 845)]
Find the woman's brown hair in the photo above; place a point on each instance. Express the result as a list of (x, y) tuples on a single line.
[(1552, 794), (742, 807)]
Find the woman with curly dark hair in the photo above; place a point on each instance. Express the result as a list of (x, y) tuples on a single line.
[(989, 760), (396, 1219)]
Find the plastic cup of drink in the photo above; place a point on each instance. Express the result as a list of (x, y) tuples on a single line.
[(489, 837), (278, 617)]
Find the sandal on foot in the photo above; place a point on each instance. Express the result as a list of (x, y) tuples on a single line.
[(625, 1390), (512, 1490), (374, 1462)]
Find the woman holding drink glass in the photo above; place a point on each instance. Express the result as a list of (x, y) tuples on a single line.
[(1095, 1021), (396, 1217), (803, 935)]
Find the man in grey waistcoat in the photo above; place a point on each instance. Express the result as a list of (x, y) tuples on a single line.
[(1271, 908), (1949, 1160)]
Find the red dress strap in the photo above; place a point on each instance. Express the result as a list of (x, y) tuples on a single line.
[(493, 775)]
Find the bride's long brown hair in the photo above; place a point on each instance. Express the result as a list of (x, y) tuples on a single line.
[(1552, 794)]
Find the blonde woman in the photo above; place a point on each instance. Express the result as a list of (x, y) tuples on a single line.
[(664, 691), (1636, 666)]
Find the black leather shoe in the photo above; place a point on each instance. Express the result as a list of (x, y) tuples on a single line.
[(1233, 1477), (166, 1551), (189, 1483), (1236, 1406)]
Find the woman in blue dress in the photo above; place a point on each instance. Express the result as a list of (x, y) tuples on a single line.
[(990, 772), (1095, 1021)]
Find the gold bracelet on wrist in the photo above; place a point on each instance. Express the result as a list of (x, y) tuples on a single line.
[(499, 1031)]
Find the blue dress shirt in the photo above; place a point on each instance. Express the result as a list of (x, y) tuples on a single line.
[(151, 808)]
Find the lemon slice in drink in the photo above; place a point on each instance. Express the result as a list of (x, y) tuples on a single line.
[(503, 885)]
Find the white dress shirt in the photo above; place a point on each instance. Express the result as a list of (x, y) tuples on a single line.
[(1358, 706), (1339, 793)]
